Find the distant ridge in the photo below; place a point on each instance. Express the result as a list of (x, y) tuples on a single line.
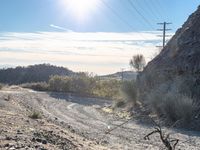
[(127, 75), (32, 73)]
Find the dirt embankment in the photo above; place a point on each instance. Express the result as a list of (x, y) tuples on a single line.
[(72, 122)]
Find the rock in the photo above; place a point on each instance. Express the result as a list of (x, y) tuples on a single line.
[(19, 132), (39, 140), (44, 142), (72, 130), (179, 60), (104, 142), (8, 138), (7, 145)]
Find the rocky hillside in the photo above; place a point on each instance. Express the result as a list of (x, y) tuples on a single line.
[(178, 64)]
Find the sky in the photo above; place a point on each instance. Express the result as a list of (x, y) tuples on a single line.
[(97, 36)]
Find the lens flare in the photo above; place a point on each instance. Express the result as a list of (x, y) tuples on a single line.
[(80, 9)]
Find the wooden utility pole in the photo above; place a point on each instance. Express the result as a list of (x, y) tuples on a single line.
[(122, 73), (164, 31)]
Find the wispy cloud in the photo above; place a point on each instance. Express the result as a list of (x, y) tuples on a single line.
[(60, 28), (94, 52)]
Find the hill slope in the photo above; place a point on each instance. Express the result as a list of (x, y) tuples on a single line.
[(178, 64), (35, 73)]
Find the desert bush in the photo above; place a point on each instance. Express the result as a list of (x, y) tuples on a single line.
[(108, 89), (173, 105), (119, 103), (39, 86), (83, 84), (178, 107), (129, 90), (1, 86), (138, 62), (59, 83), (35, 115)]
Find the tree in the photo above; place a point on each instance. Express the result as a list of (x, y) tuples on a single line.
[(138, 62)]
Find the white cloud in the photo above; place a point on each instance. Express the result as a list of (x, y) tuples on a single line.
[(94, 52)]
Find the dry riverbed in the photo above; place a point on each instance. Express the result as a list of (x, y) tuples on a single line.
[(72, 122)]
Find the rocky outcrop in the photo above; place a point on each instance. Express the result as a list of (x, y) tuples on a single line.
[(179, 60)]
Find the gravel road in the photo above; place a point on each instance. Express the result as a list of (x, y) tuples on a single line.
[(84, 119)]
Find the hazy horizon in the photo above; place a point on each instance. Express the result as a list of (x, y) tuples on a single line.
[(100, 53)]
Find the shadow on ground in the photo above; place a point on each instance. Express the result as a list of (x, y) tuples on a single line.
[(82, 100)]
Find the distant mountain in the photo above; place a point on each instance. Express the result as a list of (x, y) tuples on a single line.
[(34, 73), (127, 75)]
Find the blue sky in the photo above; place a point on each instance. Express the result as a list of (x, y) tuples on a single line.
[(37, 15), (101, 38)]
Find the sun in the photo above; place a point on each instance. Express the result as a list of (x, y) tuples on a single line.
[(80, 8)]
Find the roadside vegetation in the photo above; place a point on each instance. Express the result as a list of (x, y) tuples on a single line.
[(82, 84)]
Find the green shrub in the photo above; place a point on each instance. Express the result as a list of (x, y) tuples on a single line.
[(108, 89), (83, 84), (39, 86), (35, 115), (59, 83), (129, 90)]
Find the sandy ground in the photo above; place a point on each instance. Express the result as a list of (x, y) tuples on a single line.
[(72, 122)]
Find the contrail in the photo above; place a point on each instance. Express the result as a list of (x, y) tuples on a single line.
[(60, 28)]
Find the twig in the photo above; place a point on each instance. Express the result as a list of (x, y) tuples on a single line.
[(170, 144)]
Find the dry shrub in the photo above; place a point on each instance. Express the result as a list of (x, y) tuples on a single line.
[(59, 83), (108, 89), (129, 90), (1, 86), (35, 115), (172, 104), (178, 107), (38, 86)]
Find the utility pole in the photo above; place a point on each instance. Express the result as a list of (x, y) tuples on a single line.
[(164, 31), (122, 73)]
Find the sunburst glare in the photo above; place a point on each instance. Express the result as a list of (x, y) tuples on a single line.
[(80, 9)]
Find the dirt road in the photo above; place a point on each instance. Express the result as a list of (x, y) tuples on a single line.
[(81, 121)]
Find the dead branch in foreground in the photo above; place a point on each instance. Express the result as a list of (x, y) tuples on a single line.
[(170, 143)]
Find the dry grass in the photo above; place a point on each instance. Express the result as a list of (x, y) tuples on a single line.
[(35, 115)]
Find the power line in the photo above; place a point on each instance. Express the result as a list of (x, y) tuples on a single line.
[(143, 17), (164, 11), (151, 9), (136, 16), (158, 9), (122, 19)]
